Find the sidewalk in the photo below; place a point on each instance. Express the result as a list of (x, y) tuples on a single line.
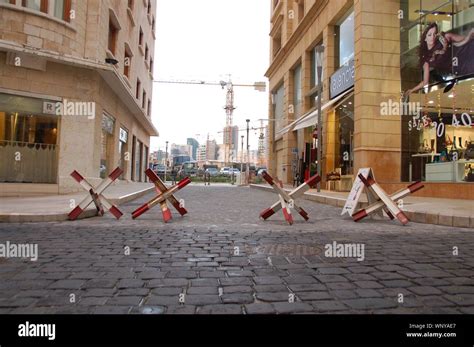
[(53, 208), (449, 212)]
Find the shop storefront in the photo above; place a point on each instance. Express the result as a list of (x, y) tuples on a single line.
[(29, 129), (437, 41), (376, 110)]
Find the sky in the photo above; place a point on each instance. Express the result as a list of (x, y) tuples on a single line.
[(208, 40)]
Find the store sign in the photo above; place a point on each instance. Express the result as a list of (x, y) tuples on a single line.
[(49, 107), (123, 136), (343, 79)]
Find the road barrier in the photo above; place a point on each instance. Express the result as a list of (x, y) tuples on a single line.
[(164, 194), (95, 195), (287, 200)]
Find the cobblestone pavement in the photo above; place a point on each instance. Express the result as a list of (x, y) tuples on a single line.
[(225, 260)]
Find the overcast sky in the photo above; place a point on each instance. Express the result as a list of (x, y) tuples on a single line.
[(207, 40)]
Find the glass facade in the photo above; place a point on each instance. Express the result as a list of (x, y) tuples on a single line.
[(437, 59)]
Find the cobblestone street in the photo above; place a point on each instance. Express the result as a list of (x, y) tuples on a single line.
[(225, 260)]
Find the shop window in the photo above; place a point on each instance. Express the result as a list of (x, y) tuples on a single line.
[(437, 45), (134, 150), (107, 141), (123, 151), (28, 135), (344, 137)]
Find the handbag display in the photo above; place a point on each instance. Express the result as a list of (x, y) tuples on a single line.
[(469, 153), (470, 175)]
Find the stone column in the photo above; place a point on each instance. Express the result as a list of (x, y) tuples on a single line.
[(377, 59)]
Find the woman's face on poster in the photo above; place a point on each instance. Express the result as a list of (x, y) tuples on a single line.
[(431, 36)]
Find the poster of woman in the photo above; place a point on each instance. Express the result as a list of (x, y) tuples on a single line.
[(444, 53)]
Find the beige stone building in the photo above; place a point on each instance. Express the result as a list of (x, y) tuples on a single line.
[(76, 80), (370, 57)]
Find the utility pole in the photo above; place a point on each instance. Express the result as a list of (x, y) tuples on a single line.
[(166, 160), (248, 153), (242, 160), (319, 62)]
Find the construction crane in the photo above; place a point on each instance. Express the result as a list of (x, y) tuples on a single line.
[(229, 106), (261, 140)]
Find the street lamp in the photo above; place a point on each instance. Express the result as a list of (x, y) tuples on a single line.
[(166, 160), (248, 153), (319, 54)]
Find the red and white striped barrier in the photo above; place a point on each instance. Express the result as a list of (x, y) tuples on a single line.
[(386, 202), (287, 201), (95, 195), (164, 194)]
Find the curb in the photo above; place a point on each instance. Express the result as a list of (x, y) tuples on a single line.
[(414, 216), (63, 216)]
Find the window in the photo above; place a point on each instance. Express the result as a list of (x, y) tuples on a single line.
[(12, 2), (146, 53), (314, 76), (149, 7), (130, 4), (151, 65), (113, 34), (127, 63), (300, 10), (144, 100), (149, 108), (139, 84), (37, 5), (277, 42), (62, 9), (346, 40), (278, 107), (153, 24), (140, 38), (297, 91)]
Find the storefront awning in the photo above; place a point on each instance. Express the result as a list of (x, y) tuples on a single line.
[(311, 118)]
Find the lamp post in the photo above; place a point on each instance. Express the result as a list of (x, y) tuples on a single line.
[(166, 160), (242, 160), (319, 52), (248, 153)]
